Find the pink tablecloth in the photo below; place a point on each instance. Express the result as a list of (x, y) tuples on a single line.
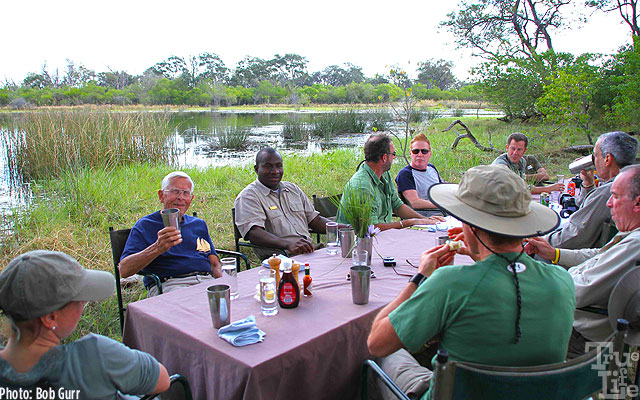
[(311, 352)]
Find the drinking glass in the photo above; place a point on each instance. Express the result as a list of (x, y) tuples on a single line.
[(333, 244), (230, 275), (171, 217), (268, 299), (359, 257)]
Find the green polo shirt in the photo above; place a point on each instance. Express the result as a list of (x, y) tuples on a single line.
[(383, 191)]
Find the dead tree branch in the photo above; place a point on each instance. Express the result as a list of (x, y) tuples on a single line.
[(468, 135)]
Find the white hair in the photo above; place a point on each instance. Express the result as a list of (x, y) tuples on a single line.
[(166, 181)]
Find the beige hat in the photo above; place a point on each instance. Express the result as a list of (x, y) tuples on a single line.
[(40, 281), (624, 302), (496, 200)]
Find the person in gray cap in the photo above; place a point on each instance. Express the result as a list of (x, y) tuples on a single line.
[(487, 312), (43, 294)]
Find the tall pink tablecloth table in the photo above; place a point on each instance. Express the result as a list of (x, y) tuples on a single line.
[(314, 351)]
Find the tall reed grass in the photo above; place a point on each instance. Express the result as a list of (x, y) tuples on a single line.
[(46, 143), (294, 128), (337, 122), (232, 136)]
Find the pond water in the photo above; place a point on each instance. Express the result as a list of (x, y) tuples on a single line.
[(197, 145)]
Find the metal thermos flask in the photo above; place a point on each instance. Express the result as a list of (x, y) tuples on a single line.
[(582, 163)]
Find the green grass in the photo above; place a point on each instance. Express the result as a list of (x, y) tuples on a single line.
[(72, 212)]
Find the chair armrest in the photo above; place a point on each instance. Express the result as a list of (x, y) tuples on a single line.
[(376, 370), (236, 255), (156, 279), (272, 249), (173, 379), (595, 310)]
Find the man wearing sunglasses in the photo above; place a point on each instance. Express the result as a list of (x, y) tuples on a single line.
[(415, 179), (373, 179), (179, 258)]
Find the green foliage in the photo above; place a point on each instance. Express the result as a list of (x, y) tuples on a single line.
[(356, 205), (568, 94), (625, 71)]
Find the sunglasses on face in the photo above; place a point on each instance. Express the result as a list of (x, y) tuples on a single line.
[(423, 151)]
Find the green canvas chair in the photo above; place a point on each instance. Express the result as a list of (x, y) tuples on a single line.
[(452, 380)]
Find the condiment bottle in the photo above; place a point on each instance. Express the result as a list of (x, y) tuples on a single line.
[(288, 289), (274, 263), (295, 268), (308, 286)]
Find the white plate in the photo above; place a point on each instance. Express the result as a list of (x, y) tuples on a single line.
[(265, 262)]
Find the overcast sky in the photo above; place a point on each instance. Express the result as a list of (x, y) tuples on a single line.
[(133, 35)]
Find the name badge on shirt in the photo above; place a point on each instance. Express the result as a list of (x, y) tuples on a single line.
[(273, 208)]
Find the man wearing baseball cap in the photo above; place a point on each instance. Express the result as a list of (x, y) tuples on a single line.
[(43, 294), (488, 312)]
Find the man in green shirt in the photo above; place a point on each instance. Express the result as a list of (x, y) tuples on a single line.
[(373, 179), (505, 309)]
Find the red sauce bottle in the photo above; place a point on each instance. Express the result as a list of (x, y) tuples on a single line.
[(288, 289)]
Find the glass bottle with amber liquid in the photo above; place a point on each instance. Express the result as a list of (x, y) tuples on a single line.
[(288, 289)]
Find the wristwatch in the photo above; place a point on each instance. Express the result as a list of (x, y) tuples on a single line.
[(417, 279)]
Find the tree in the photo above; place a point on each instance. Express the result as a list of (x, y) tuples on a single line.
[(628, 10), (115, 79), (436, 73), (568, 95), (336, 76), (506, 28), (170, 68), (250, 71), (290, 68), (77, 75)]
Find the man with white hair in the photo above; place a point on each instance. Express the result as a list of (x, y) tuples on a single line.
[(612, 152), (179, 258), (595, 271)]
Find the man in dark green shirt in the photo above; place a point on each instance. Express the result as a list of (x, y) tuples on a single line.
[(373, 179)]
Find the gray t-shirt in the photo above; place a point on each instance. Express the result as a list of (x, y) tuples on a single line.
[(94, 366)]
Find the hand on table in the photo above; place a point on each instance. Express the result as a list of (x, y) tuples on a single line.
[(539, 246), (299, 246), (434, 258), (167, 238), (422, 221), (556, 187)]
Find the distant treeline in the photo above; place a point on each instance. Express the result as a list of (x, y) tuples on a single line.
[(166, 91), (204, 80)]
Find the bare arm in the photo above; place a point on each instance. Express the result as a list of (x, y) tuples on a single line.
[(417, 202), (556, 187), (383, 339), (167, 238), (409, 218), (259, 236), (216, 270), (163, 381), (540, 175)]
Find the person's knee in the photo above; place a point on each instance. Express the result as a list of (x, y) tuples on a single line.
[(411, 377)]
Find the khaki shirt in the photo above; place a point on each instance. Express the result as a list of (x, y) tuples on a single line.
[(286, 215)]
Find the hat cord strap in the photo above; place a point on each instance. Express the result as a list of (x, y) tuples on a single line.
[(512, 264)]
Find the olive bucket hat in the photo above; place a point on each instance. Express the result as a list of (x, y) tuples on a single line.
[(41, 281), (496, 200)]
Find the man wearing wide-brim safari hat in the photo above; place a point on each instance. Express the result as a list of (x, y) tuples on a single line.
[(494, 311)]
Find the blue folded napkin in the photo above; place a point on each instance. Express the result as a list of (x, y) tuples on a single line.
[(242, 333)]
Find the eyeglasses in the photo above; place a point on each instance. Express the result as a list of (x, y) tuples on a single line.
[(393, 153), (178, 192), (423, 151)]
